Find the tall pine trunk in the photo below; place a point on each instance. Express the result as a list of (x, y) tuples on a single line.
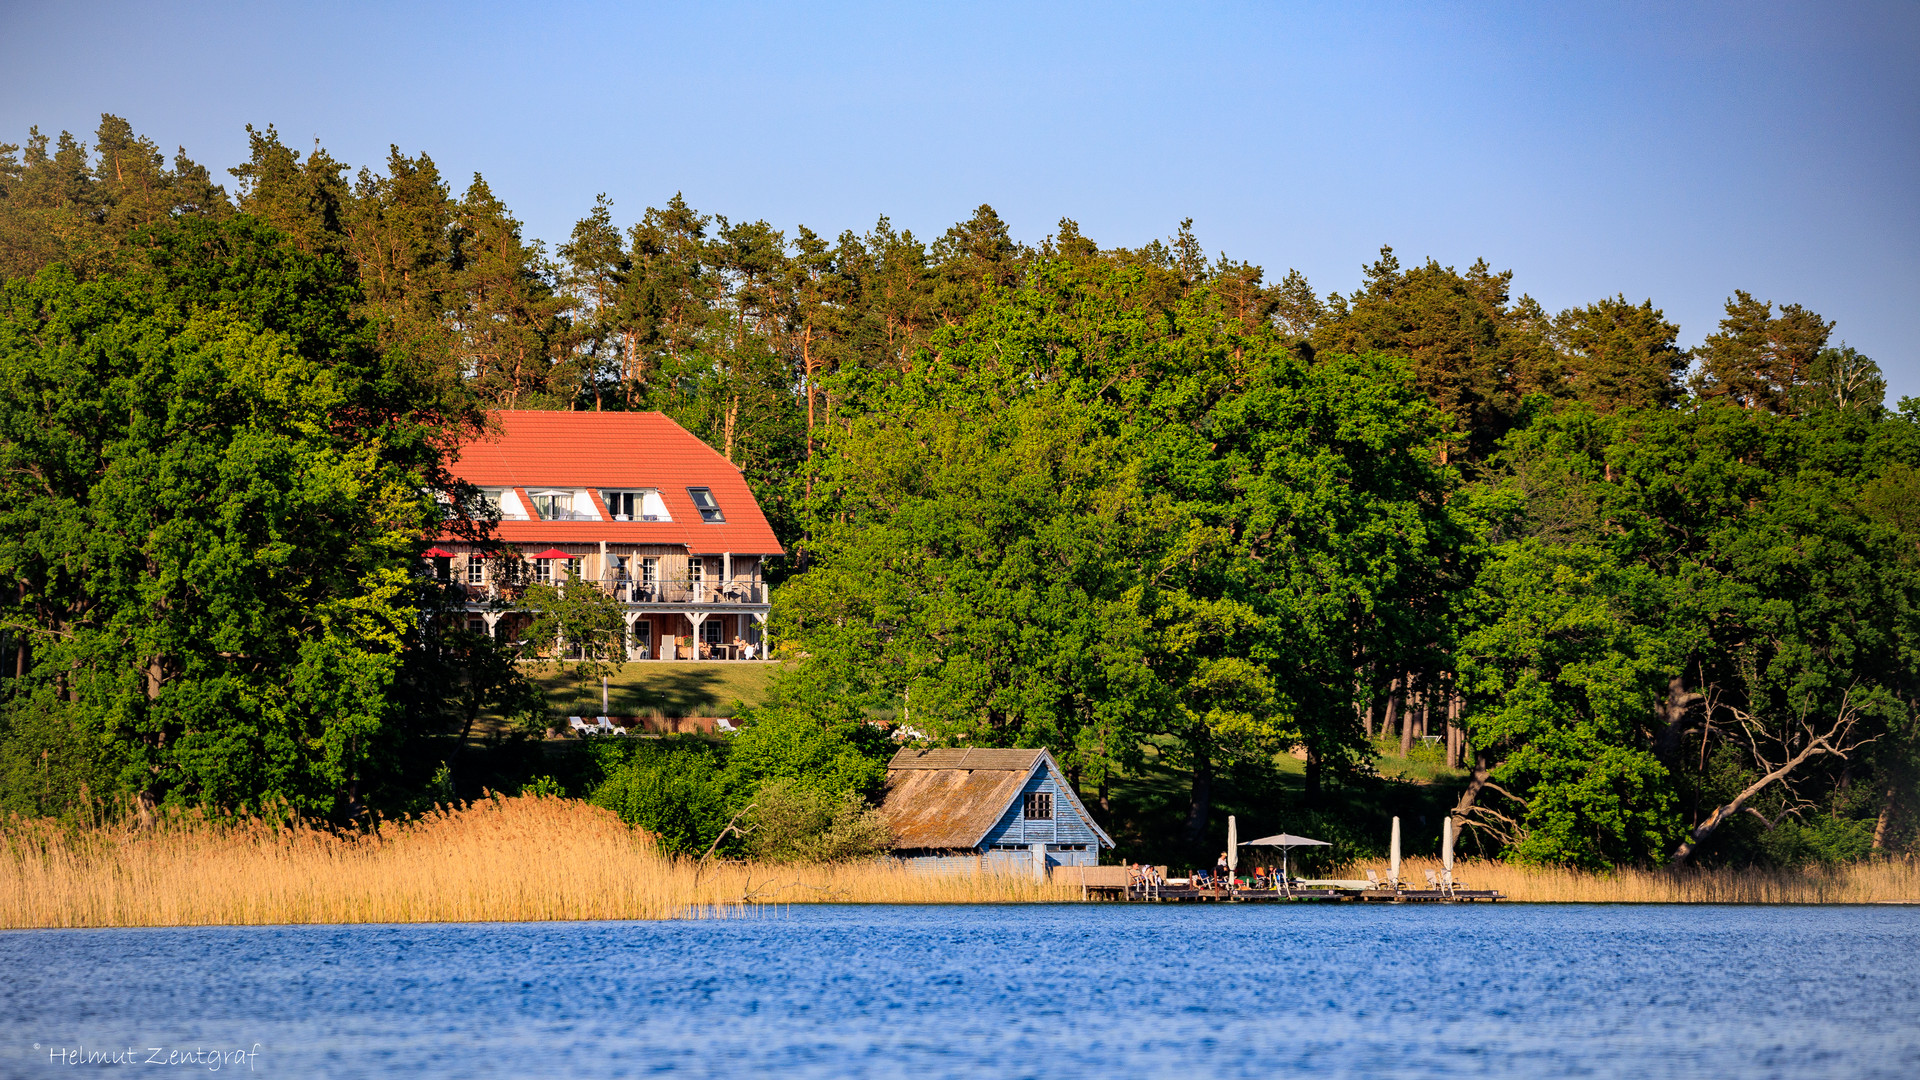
[(1406, 718)]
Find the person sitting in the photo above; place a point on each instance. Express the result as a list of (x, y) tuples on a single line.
[(746, 651), (739, 645)]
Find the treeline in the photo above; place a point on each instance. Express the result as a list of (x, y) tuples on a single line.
[(1658, 602)]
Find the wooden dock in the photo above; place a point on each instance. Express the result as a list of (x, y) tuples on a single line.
[(1177, 895), (1116, 883)]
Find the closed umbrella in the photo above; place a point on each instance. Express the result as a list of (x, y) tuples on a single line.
[(1286, 842), (1233, 848), (1393, 855)]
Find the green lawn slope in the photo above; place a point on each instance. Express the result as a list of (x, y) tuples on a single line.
[(663, 688)]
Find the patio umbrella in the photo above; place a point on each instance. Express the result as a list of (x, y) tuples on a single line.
[(1286, 842), (1393, 855), (1233, 847), (554, 553)]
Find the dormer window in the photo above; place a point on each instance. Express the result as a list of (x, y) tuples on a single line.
[(703, 501), (552, 505), (638, 505)]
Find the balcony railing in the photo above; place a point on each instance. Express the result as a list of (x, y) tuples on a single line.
[(685, 591), (629, 591)]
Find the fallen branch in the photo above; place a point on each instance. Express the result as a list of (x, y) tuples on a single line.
[(732, 827), (1833, 741)]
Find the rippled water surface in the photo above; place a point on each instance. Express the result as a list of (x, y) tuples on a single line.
[(1105, 990)]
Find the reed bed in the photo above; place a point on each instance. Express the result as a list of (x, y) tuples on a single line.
[(537, 859), (500, 859), (1859, 883)]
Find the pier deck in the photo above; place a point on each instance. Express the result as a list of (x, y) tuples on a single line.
[(1176, 895)]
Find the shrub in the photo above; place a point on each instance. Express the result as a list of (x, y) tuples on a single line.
[(672, 790), (794, 824)]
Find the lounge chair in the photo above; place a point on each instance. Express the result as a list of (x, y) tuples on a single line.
[(724, 724), (604, 726), (579, 726)]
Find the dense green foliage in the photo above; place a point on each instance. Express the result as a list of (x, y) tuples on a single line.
[(212, 490), (792, 788), (1135, 505)]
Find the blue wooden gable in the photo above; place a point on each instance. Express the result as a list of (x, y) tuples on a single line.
[(1071, 839)]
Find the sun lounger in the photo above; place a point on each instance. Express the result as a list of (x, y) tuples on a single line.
[(603, 725), (579, 726)]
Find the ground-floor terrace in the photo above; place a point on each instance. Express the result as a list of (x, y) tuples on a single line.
[(677, 605), (659, 632)]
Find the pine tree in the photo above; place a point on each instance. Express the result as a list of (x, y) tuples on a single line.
[(1758, 359), (1621, 355), (507, 315)]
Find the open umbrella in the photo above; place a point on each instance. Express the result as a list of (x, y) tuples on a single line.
[(1286, 842)]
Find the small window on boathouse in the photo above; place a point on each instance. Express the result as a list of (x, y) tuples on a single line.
[(1039, 806)]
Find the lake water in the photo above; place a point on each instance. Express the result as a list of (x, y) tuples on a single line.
[(1100, 990)]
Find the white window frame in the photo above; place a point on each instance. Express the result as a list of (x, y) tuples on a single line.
[(552, 510)]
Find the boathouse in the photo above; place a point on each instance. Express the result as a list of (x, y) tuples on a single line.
[(957, 810)]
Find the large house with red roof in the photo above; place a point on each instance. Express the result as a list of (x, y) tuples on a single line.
[(630, 503)]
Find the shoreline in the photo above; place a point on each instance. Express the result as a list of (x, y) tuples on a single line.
[(532, 859)]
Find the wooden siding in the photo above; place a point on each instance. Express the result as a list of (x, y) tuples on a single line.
[(941, 862), (1066, 828)]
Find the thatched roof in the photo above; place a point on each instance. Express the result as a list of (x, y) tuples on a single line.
[(951, 799)]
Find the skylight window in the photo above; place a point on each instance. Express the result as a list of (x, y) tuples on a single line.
[(703, 501)]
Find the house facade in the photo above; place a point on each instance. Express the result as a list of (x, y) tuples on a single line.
[(964, 810), (629, 503)]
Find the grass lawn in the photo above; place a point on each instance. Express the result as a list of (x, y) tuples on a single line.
[(663, 688)]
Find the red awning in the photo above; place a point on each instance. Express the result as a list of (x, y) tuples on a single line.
[(436, 553), (554, 553)]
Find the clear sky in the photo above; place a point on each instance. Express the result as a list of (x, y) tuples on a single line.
[(1661, 150)]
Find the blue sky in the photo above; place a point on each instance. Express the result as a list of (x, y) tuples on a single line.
[(1669, 151)]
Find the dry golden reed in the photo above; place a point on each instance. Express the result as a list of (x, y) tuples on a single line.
[(534, 859), (500, 859), (1860, 883)]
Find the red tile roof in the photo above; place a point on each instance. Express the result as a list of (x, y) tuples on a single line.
[(596, 450)]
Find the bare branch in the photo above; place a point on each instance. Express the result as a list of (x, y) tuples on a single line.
[(1837, 741)]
